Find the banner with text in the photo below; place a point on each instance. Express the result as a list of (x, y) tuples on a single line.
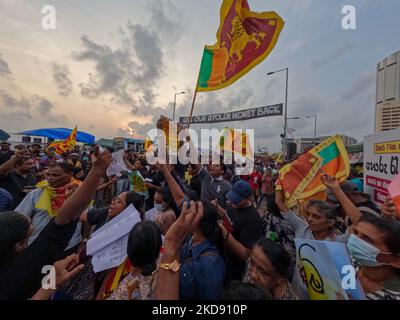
[(381, 163), (261, 112)]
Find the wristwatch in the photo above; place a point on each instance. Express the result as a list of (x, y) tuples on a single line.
[(174, 266)]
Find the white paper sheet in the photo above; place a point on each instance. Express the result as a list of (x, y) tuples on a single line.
[(150, 215), (114, 230), (111, 256)]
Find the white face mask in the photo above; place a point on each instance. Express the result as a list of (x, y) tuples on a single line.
[(364, 253), (159, 207)]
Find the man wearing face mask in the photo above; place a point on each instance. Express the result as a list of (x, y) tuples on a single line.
[(374, 244), (375, 247), (245, 219)]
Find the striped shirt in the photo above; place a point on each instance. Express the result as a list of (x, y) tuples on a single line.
[(391, 291)]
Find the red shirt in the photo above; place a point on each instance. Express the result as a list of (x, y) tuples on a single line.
[(255, 180)]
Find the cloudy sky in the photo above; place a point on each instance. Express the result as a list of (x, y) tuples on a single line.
[(112, 67)]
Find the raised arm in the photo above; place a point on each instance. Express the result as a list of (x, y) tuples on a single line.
[(167, 287), (174, 187), (81, 198), (280, 201), (65, 269), (127, 163), (349, 208), (9, 165), (105, 185), (234, 246)]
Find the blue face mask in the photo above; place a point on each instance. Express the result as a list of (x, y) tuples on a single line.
[(364, 253)]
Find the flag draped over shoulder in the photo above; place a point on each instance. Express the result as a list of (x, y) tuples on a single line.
[(301, 179), (244, 39), (67, 144)]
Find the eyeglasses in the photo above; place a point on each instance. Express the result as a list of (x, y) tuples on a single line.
[(253, 267)]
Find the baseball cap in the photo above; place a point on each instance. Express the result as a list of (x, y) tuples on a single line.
[(348, 187), (240, 191)]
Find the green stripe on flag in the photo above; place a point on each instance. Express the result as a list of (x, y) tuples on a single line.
[(330, 153), (206, 68)]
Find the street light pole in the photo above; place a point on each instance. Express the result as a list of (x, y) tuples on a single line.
[(176, 94), (315, 128), (315, 131), (286, 104)]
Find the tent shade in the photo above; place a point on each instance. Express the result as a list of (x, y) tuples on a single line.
[(60, 134), (4, 135)]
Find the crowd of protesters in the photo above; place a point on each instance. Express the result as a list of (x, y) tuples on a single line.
[(216, 235)]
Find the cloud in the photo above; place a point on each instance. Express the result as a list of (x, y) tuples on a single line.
[(332, 56), (61, 76), (364, 84), (4, 68), (129, 73), (13, 103), (166, 20), (28, 108), (44, 106)]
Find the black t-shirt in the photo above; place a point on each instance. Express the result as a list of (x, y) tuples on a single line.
[(15, 184), (21, 276), (98, 217), (5, 156), (247, 229), (157, 177), (195, 184)]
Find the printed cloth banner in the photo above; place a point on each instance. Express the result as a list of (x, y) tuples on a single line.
[(327, 270)]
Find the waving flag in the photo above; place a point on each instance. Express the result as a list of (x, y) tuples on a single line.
[(245, 39), (67, 144), (237, 143), (301, 179)]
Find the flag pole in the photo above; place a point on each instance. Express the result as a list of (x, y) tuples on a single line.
[(194, 99), (191, 110)]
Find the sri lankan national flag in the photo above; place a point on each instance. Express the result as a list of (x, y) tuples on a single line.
[(244, 39), (301, 179), (67, 144), (236, 143)]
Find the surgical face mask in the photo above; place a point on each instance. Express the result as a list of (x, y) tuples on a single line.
[(364, 253), (159, 207)]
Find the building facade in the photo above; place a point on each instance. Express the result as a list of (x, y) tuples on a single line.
[(300, 144), (387, 110)]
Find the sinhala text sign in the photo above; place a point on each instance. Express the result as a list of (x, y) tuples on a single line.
[(381, 163)]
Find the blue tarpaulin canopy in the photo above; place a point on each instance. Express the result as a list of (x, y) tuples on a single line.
[(4, 135), (61, 134)]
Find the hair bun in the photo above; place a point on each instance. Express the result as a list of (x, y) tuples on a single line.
[(148, 269)]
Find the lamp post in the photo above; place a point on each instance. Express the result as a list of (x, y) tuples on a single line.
[(315, 128), (176, 94), (286, 102)]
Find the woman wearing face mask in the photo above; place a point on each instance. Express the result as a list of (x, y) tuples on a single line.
[(86, 285), (165, 216)]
